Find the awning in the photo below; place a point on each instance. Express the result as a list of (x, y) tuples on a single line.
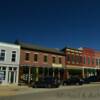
[(89, 70), (75, 71)]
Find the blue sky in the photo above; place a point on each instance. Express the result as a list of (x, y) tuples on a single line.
[(51, 23)]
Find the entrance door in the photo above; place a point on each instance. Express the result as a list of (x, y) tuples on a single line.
[(11, 77)]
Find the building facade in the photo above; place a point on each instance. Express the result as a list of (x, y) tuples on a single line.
[(80, 62), (37, 62), (9, 63), (28, 62), (89, 62), (73, 61), (97, 57)]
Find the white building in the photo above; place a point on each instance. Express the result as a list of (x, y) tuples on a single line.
[(9, 63)]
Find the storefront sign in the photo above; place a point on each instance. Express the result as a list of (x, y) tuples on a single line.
[(57, 65)]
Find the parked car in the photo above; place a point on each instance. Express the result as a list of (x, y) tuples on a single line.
[(92, 79), (86, 80), (73, 81), (47, 82)]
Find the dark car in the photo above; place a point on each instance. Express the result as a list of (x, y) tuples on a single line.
[(92, 79), (48, 82), (86, 80), (73, 81)]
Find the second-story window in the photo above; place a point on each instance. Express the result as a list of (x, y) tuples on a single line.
[(84, 60), (35, 57), (45, 58), (88, 60), (27, 56), (54, 59), (68, 57), (77, 59), (60, 60), (13, 56), (73, 58), (97, 62), (2, 55), (92, 60)]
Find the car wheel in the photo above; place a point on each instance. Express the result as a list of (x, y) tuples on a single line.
[(77, 83), (49, 86), (64, 84), (35, 86)]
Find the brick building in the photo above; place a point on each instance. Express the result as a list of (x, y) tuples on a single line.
[(73, 60), (37, 61), (97, 57), (80, 61), (89, 62)]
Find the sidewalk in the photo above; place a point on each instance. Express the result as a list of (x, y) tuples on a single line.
[(12, 90)]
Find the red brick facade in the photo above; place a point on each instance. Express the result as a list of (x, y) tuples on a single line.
[(40, 62), (88, 57)]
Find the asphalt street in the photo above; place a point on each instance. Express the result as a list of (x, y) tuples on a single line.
[(84, 92)]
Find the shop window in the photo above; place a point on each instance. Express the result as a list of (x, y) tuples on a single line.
[(13, 56), (26, 69), (2, 73), (2, 55)]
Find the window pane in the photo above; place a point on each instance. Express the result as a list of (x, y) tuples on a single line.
[(45, 58), (54, 59), (27, 56), (35, 57), (68, 57), (13, 56), (88, 60), (84, 60), (2, 55), (60, 60), (4, 68)]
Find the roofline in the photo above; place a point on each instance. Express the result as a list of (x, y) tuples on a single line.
[(9, 44), (45, 51)]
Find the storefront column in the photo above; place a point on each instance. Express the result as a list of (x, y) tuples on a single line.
[(83, 75), (17, 75), (37, 72), (53, 72), (58, 73), (66, 74), (6, 78), (29, 75)]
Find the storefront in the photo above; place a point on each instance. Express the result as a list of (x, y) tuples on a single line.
[(9, 63), (28, 73)]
